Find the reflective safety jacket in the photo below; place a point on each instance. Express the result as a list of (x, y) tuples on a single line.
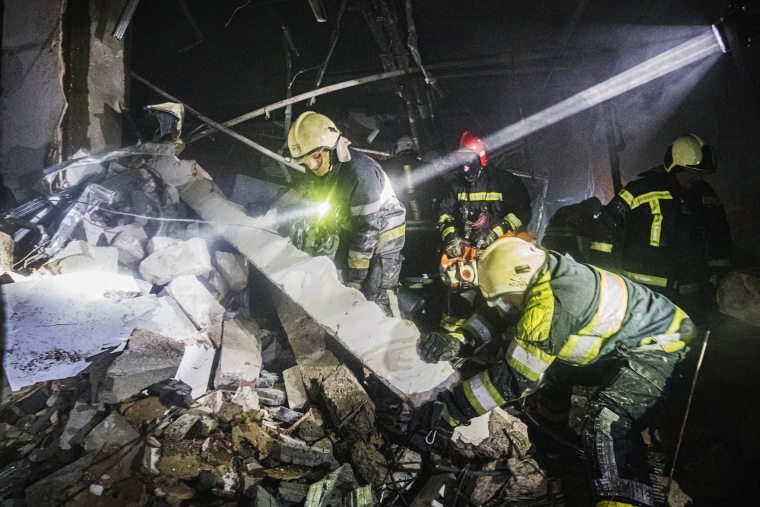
[(575, 314), (366, 207), (661, 235), (496, 202)]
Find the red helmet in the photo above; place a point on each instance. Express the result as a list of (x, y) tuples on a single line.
[(469, 142)]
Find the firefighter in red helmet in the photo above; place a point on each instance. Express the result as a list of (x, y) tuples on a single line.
[(482, 204)]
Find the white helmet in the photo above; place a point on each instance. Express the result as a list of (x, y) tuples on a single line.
[(310, 132), (404, 143), (508, 266)]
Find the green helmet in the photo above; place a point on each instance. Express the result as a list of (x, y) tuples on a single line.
[(690, 152), (310, 132)]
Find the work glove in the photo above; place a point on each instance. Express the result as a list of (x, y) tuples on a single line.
[(436, 346), (453, 246), (431, 432), (490, 238)]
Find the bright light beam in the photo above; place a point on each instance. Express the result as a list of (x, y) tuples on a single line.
[(689, 52)]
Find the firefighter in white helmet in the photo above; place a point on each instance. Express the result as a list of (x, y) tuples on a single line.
[(372, 219), (580, 316)]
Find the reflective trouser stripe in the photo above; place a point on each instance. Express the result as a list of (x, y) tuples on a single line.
[(647, 279), (357, 262), (447, 231), (601, 247), (446, 416), (481, 393), (528, 360), (499, 230), (391, 235)]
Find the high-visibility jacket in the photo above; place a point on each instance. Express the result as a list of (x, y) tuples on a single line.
[(366, 207), (496, 202), (575, 314), (661, 235)]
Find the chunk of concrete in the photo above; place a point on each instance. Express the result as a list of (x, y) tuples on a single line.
[(234, 269), (294, 388), (195, 368), (298, 453), (50, 490), (185, 426), (7, 245), (240, 355), (196, 301), (82, 418), (157, 243), (113, 430), (79, 256), (149, 358), (271, 396), (189, 257)]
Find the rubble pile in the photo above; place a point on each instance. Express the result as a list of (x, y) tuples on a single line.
[(137, 372)]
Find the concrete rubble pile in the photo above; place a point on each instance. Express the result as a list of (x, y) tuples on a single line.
[(137, 371)]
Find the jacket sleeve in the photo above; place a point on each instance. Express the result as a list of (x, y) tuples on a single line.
[(719, 248), (608, 232), (447, 223), (517, 211), (529, 355), (365, 201)]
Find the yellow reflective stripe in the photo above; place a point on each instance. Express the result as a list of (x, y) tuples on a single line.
[(481, 393), (355, 263), (446, 416), (512, 220), (627, 197), (445, 218), (613, 303), (612, 503), (649, 197), (647, 279), (601, 247), (391, 235), (583, 347), (580, 349), (498, 230), (654, 235), (528, 360), (479, 196), (447, 231)]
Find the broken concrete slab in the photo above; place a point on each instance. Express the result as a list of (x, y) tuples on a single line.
[(270, 396), (738, 295), (189, 257), (48, 491), (168, 319), (295, 388), (240, 355), (332, 489), (264, 499), (385, 345), (492, 435), (299, 453), (196, 301), (89, 313), (185, 426), (148, 358), (80, 256), (292, 492)]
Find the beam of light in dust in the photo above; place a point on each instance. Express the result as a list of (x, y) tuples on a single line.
[(696, 49)]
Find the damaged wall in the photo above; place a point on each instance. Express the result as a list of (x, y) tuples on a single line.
[(63, 81), (32, 103)]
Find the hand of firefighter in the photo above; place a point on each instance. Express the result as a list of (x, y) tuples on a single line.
[(453, 246), (490, 238), (436, 346), (430, 431)]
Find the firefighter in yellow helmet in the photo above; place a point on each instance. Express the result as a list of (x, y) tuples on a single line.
[(668, 229), (372, 219), (575, 319)]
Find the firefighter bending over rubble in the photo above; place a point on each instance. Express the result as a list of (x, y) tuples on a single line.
[(482, 204), (365, 207), (575, 319)]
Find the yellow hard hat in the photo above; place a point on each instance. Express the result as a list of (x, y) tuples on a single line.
[(508, 267), (310, 132), (690, 152)]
